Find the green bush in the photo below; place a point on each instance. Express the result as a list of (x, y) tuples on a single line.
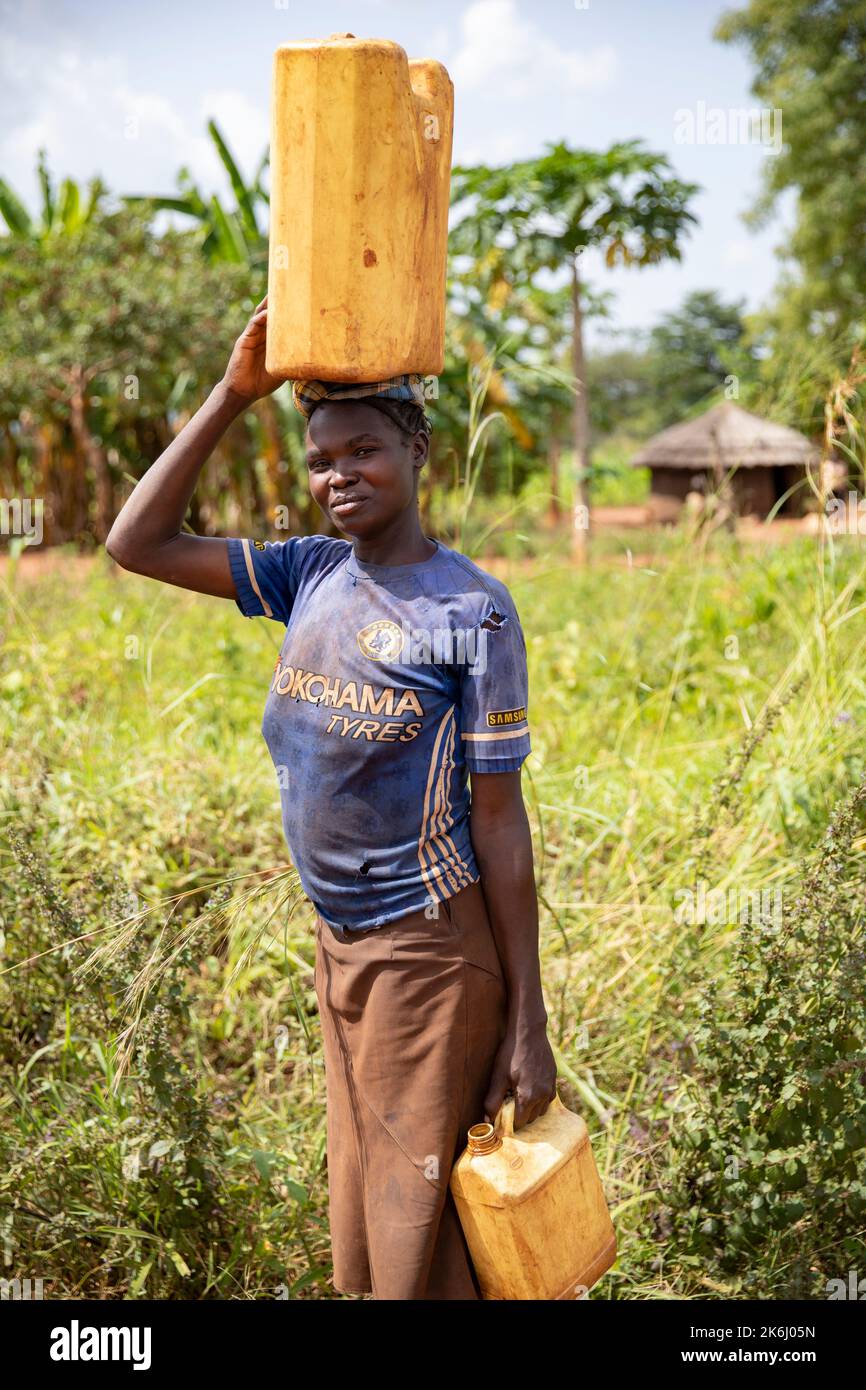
[(769, 1147), (124, 1181)]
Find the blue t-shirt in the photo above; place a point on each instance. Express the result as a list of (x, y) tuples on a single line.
[(392, 683)]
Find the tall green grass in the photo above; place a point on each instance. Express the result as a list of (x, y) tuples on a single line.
[(145, 815)]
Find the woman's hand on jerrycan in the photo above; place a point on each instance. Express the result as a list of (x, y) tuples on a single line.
[(245, 373)]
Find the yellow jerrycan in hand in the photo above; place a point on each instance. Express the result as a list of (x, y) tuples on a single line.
[(360, 172), (532, 1206)]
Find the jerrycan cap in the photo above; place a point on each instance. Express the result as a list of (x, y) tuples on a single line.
[(486, 1138), (482, 1139)]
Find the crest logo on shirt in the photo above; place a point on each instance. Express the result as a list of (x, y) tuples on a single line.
[(382, 640)]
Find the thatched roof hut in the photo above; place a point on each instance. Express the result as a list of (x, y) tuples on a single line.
[(727, 436), (759, 461)]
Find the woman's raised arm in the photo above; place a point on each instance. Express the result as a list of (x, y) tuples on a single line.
[(147, 537)]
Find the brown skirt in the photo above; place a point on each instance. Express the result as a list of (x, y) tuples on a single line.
[(412, 1015)]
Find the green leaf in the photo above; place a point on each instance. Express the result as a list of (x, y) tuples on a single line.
[(178, 1261), (239, 188), (264, 1162), (138, 1282), (15, 214)]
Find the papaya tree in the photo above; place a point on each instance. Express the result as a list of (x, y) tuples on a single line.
[(518, 220)]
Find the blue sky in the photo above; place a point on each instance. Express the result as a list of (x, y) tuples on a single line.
[(75, 73)]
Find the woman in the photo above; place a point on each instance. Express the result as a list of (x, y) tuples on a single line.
[(402, 674)]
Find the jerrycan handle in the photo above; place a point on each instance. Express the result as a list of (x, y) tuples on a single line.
[(504, 1122)]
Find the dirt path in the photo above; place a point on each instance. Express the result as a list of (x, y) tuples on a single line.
[(37, 561)]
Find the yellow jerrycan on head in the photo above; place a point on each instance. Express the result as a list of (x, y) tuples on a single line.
[(360, 186), (532, 1206)]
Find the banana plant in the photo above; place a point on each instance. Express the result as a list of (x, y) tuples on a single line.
[(229, 234), (63, 211)]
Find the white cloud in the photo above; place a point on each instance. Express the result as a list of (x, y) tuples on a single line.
[(92, 119), (499, 46)]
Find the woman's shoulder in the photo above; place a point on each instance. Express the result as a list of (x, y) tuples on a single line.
[(313, 553), (476, 584)]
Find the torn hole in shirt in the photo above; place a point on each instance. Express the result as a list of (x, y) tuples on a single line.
[(494, 622)]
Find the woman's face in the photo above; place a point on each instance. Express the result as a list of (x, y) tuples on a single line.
[(363, 471)]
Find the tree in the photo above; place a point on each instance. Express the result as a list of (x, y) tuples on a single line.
[(518, 337), (620, 392), (810, 57), (115, 332), (693, 352), (541, 214)]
